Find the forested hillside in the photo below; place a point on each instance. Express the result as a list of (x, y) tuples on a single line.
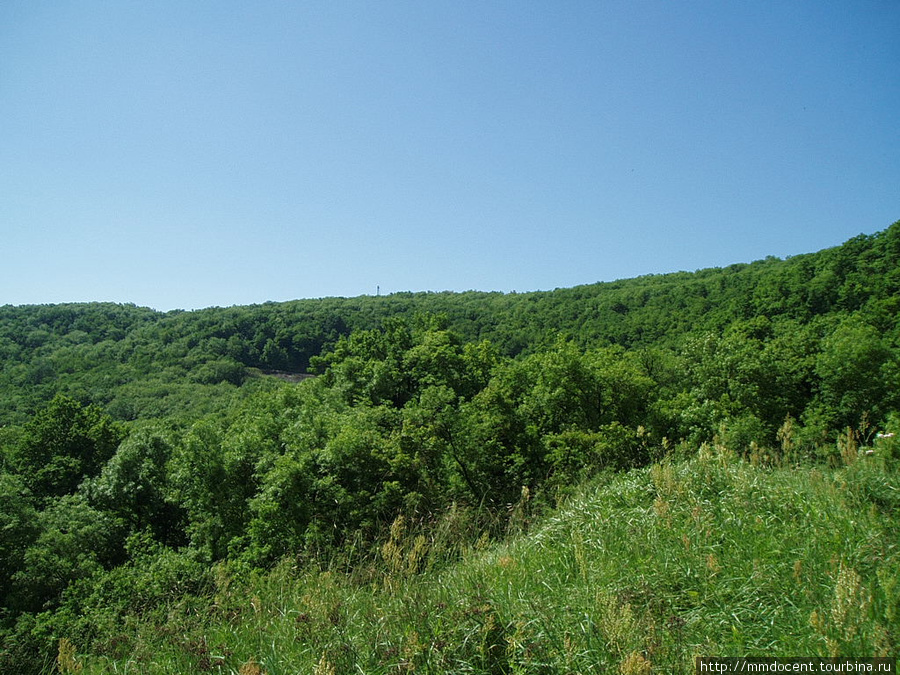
[(142, 451), (139, 363)]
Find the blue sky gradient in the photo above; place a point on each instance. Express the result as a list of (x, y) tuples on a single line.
[(189, 154)]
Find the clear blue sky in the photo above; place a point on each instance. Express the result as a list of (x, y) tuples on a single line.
[(186, 154)]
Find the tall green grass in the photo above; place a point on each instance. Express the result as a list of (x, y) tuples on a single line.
[(637, 573)]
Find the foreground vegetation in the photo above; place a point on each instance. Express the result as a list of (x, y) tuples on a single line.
[(635, 573), (171, 498)]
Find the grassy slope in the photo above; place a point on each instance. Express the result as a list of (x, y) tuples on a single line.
[(638, 573)]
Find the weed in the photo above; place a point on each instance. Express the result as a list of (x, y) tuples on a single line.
[(251, 667), (66, 660), (634, 664), (324, 667)]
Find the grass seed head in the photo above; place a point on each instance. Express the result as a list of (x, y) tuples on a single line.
[(634, 664), (251, 668), (66, 659)]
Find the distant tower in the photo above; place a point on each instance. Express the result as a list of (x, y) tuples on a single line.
[(377, 291)]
